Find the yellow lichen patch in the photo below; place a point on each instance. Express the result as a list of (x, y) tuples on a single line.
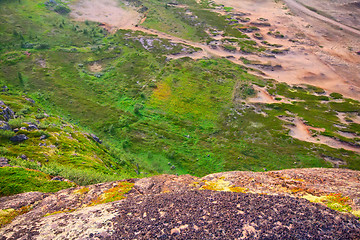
[(61, 211), (238, 189), (334, 201), (221, 185), (356, 213), (7, 215), (114, 194), (314, 199), (162, 92), (81, 191), (292, 179)]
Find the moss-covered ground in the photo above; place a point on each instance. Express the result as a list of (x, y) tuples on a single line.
[(15, 180)]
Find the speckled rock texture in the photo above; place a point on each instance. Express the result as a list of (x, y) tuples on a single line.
[(173, 207)]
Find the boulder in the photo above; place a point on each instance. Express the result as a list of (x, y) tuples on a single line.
[(43, 137), (5, 112), (4, 126), (96, 139), (4, 162), (31, 126), (19, 138)]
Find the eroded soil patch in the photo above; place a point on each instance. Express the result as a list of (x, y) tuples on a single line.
[(107, 12)]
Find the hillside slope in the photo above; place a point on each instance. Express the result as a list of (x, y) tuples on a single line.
[(164, 108), (33, 139)]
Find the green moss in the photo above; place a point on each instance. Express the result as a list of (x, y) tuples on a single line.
[(14, 180)]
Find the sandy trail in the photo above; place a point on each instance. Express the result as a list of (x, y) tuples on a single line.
[(299, 7), (302, 132)]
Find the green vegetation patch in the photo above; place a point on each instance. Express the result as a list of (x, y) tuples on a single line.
[(14, 180)]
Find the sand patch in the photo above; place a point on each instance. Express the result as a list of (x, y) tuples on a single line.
[(95, 67), (262, 96), (107, 12), (347, 118), (301, 131), (319, 52)]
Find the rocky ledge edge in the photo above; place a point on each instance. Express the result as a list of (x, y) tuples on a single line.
[(286, 204)]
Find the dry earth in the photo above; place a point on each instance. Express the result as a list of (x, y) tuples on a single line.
[(245, 205), (107, 12)]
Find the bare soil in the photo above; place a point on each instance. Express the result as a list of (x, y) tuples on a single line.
[(303, 132), (321, 54), (108, 12)]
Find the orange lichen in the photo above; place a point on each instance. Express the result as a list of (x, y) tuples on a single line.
[(7, 215)]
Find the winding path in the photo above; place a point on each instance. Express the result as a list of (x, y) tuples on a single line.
[(294, 5)]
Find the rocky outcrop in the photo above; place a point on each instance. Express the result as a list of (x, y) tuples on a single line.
[(243, 205), (19, 138), (4, 126), (5, 112), (4, 162)]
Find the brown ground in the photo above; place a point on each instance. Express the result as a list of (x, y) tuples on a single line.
[(108, 12), (322, 55)]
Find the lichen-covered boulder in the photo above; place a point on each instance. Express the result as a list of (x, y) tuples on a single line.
[(19, 138), (5, 112)]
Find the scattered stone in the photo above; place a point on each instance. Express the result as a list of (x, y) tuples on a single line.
[(19, 138), (5, 112), (4, 126), (175, 231), (5, 89), (43, 137), (57, 178), (31, 126), (23, 156), (95, 138), (4, 162), (30, 100)]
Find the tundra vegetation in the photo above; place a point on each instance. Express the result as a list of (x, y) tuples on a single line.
[(153, 114)]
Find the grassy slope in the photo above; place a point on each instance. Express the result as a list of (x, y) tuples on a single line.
[(18, 180), (67, 150), (156, 113)]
